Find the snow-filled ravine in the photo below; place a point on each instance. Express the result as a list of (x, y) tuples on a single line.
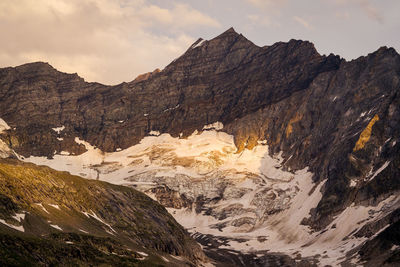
[(211, 189)]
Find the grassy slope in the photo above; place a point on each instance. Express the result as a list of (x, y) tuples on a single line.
[(130, 221)]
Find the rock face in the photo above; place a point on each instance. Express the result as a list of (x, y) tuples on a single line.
[(340, 119), (42, 209)]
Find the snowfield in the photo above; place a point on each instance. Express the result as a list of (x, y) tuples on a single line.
[(214, 190)]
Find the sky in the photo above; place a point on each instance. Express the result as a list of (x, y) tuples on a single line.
[(111, 41)]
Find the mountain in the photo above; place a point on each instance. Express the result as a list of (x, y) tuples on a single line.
[(257, 149)]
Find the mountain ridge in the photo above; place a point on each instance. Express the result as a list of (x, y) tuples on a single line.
[(340, 119)]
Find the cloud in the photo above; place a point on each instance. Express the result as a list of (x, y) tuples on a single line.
[(365, 5), (265, 21), (266, 3), (303, 22), (107, 41), (371, 11)]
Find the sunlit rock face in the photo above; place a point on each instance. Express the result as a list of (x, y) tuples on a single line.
[(263, 116)]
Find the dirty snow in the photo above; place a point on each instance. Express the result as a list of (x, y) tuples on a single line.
[(3, 125)]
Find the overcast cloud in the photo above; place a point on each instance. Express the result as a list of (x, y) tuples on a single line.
[(111, 41)]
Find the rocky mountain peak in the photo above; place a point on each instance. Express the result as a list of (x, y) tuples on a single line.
[(305, 110)]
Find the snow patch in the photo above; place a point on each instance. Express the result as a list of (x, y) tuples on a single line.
[(214, 126), (164, 259), (154, 133), (43, 208), (56, 227), (19, 217), (378, 171), (60, 138), (58, 130), (3, 126), (94, 215), (55, 206), (143, 254), (19, 228), (169, 109), (199, 44)]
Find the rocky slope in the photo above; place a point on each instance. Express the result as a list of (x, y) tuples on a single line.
[(285, 106), (48, 217)]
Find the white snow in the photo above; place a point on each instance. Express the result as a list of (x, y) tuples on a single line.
[(69, 242), (214, 126), (334, 98), (83, 231), (58, 130), (56, 227), (353, 183), (43, 208), (120, 121), (169, 109), (378, 171), (199, 44), (202, 163), (146, 114), (143, 254), (60, 138), (94, 215), (19, 216), (65, 153), (5, 150), (154, 133), (55, 206), (363, 114), (164, 259), (3, 125), (19, 228)]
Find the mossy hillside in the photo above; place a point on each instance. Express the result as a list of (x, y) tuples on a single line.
[(48, 197)]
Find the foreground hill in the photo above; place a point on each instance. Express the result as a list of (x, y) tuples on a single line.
[(49, 217)]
